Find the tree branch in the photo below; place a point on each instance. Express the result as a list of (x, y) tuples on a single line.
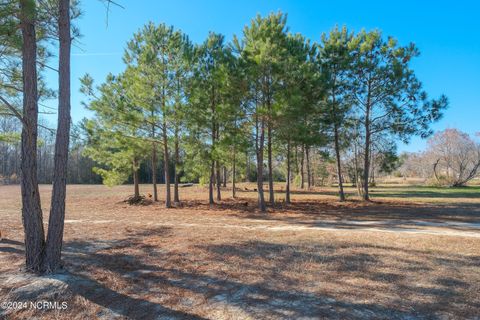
[(13, 109)]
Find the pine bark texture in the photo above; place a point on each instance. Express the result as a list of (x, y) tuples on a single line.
[(261, 143), (287, 184), (31, 208), (176, 196), (166, 160), (57, 211)]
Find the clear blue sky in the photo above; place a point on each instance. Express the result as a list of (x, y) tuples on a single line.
[(447, 33)]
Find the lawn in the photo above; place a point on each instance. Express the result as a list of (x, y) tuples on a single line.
[(414, 252)]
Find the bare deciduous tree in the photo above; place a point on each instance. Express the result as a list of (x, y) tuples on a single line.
[(455, 157)]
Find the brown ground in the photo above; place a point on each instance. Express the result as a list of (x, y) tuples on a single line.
[(400, 257)]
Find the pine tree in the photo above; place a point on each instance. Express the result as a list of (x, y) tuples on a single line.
[(387, 95), (118, 136), (299, 118), (264, 48), (209, 108), (334, 62), (155, 52)]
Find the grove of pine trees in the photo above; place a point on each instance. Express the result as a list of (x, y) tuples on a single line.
[(269, 97)]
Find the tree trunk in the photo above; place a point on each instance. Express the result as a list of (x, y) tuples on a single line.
[(287, 186), (302, 170), (270, 166), (358, 181), (31, 208), (154, 163), (176, 196), (212, 169), (307, 155), (210, 185), (219, 180), (57, 209), (217, 168), (224, 176), (154, 171), (341, 193), (366, 168), (136, 187), (295, 157), (234, 172), (372, 164), (247, 167), (261, 142), (314, 169), (166, 160)]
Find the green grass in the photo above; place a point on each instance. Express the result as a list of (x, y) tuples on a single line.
[(469, 192)]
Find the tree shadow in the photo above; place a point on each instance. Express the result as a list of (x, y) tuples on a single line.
[(440, 295), (11, 250), (81, 283), (358, 215), (134, 278), (7, 246), (275, 290), (425, 194), (8, 241), (258, 299), (118, 303)]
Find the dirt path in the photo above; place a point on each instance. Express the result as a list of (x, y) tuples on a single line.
[(457, 229)]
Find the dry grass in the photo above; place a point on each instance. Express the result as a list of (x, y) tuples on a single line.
[(408, 255)]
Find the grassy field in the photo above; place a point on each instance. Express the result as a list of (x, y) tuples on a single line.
[(413, 253)]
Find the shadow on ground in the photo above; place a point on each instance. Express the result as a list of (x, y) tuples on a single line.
[(133, 278)]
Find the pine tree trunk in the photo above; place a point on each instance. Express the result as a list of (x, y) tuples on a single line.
[(166, 160), (234, 172), (210, 185), (31, 208), (136, 186), (224, 176), (287, 186), (314, 169), (307, 155), (219, 180), (176, 196), (154, 164), (247, 167), (358, 181), (57, 211), (295, 157), (366, 165), (261, 142), (270, 166), (341, 193), (154, 171), (366, 168), (302, 168), (372, 164), (212, 169)]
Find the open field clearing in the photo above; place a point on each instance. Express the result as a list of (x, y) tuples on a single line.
[(414, 253)]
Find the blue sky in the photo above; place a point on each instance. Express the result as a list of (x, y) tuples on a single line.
[(447, 33)]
